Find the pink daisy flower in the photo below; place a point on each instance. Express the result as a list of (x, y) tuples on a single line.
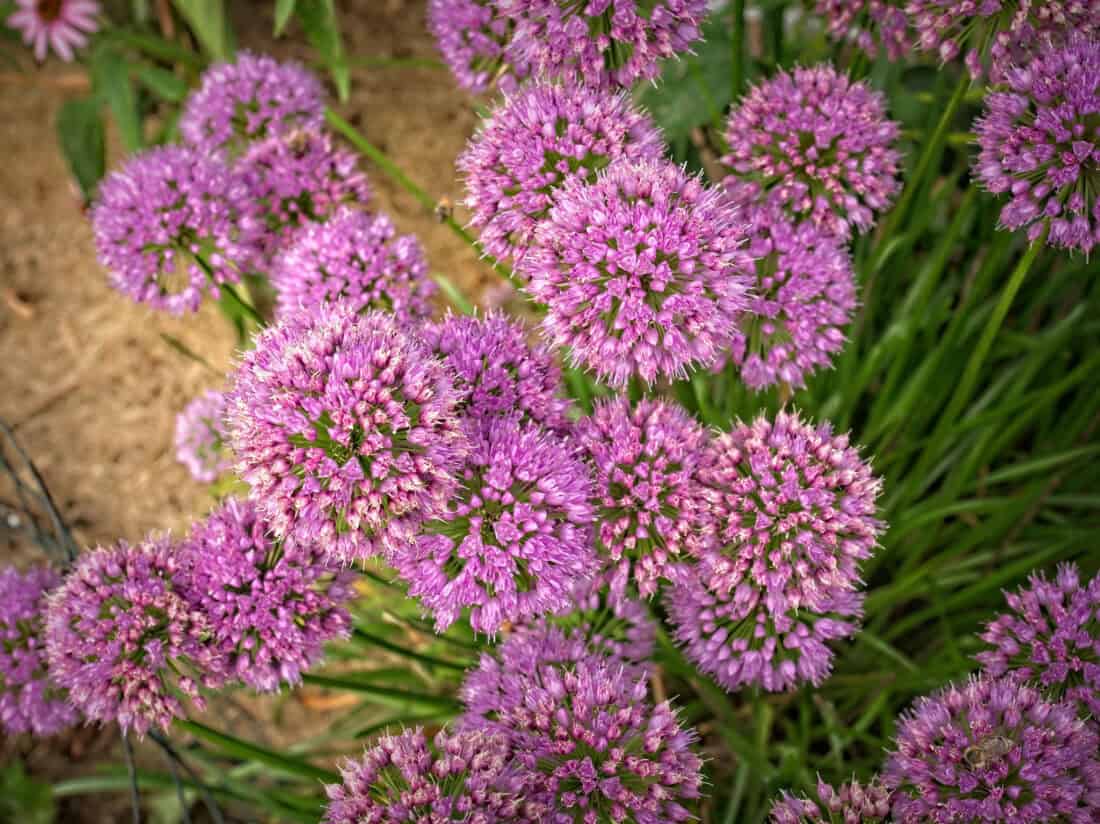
[(63, 25)]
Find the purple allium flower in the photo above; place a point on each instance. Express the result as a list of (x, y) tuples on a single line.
[(459, 776), (271, 607), (535, 141), (804, 296), (499, 372), (853, 803), (253, 98), (200, 437), (992, 35), (354, 258), (815, 145), (298, 177), (63, 25), (650, 502), (345, 428), (642, 272), (1050, 637), (475, 41), (513, 539), (602, 42), (173, 224), (29, 702), (871, 24), (123, 639), (993, 750), (1040, 144)]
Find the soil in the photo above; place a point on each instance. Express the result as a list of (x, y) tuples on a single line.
[(90, 386)]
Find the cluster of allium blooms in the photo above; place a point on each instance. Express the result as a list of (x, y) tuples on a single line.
[(602, 42), (474, 40), (271, 607), (870, 23), (125, 641), (345, 428), (804, 296), (993, 750), (251, 99), (200, 437), (513, 538), (1051, 637), (815, 145), (459, 776), (533, 143), (498, 371), (650, 503), (993, 35), (29, 702), (63, 25), (173, 224), (853, 803), (794, 510), (643, 272), (1040, 144), (298, 177), (354, 259)]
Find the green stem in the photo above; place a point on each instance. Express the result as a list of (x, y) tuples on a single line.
[(367, 638), (737, 44), (248, 751), (246, 307)]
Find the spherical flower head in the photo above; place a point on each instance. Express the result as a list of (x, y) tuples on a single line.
[(29, 701), (271, 606), (200, 437), (1039, 142), (475, 41), (63, 25), (513, 538), (251, 99), (643, 272), (871, 24), (298, 177), (853, 803), (992, 35), (172, 225), (1050, 637), (458, 776), (499, 372), (354, 258), (346, 430), (993, 750), (816, 145), (602, 42), (124, 640), (533, 143), (651, 508), (803, 299)]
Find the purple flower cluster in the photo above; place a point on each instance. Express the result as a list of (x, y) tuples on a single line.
[(853, 803), (474, 40), (173, 224), (346, 429), (650, 504), (1040, 144), (253, 98), (1051, 636), (642, 272), (270, 607), (993, 750), (512, 539), (804, 296), (200, 437), (29, 701), (871, 24), (459, 776), (794, 509), (353, 259), (124, 640), (536, 141), (498, 372), (816, 145)]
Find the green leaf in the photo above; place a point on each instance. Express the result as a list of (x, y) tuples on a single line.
[(111, 81), (24, 799), (80, 132), (454, 294), (283, 10), (391, 696), (161, 82), (248, 751), (208, 21), (156, 47), (318, 18)]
